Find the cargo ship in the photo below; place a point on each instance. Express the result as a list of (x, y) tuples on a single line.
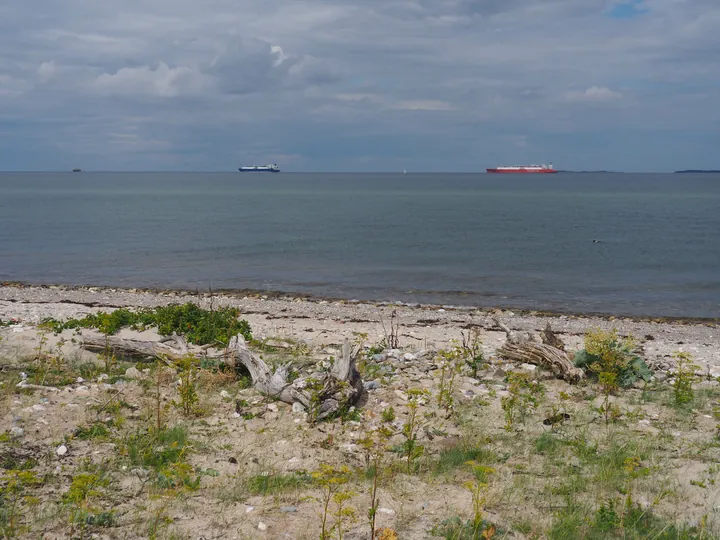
[(260, 168), (524, 169)]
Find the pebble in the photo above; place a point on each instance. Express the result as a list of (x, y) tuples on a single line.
[(133, 373), (402, 395), (409, 357), (17, 432), (225, 394), (387, 511), (288, 509), (249, 509), (272, 407), (262, 526), (61, 450), (372, 385), (297, 408)]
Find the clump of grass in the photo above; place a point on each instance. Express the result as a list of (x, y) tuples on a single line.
[(200, 326), (272, 484), (459, 456), (155, 449), (97, 430)]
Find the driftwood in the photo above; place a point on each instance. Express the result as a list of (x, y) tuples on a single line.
[(340, 387), (138, 348), (523, 347)]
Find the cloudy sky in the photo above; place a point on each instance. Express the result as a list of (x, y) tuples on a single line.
[(359, 85)]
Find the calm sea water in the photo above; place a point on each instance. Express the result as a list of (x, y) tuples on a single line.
[(483, 240)]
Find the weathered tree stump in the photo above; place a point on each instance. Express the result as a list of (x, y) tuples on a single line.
[(341, 387)]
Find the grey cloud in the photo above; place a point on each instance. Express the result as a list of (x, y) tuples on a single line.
[(475, 72)]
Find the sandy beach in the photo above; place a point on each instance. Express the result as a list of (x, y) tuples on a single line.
[(254, 465)]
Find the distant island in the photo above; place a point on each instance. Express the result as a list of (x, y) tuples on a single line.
[(699, 171), (587, 172)]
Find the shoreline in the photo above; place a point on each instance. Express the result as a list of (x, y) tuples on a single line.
[(323, 322), (240, 294)]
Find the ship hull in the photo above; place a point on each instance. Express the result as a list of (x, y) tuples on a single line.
[(259, 170), (521, 171)]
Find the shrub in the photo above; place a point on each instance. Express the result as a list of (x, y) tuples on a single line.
[(606, 353)]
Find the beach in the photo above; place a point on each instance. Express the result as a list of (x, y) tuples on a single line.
[(255, 467)]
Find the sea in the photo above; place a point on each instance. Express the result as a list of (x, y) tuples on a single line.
[(622, 244)]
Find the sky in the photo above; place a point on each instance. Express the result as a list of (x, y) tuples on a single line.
[(359, 85)]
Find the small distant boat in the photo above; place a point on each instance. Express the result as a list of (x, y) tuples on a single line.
[(77, 170), (404, 171), (524, 169), (260, 168)]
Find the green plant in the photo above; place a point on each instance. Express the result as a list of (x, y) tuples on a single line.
[(189, 399), (477, 488), (410, 449), (79, 499), (450, 364), (270, 484), (685, 376), (15, 498), (375, 444), (200, 326), (453, 458), (606, 352), (525, 396), (388, 415), (472, 351), (331, 479)]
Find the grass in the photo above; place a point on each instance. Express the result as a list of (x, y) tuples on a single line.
[(457, 457), (273, 484)]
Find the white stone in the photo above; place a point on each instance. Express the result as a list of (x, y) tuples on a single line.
[(297, 408), (387, 511), (79, 380), (272, 407), (17, 432), (402, 395), (528, 367), (262, 526), (133, 373), (409, 357), (61, 450), (249, 509), (225, 394)]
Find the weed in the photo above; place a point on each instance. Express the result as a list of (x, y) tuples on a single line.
[(454, 458), (15, 499), (410, 449), (189, 399), (449, 368), (97, 430), (374, 444), (525, 396), (331, 479), (392, 332), (79, 499), (388, 415), (472, 351), (605, 352), (269, 484), (686, 373), (477, 488)]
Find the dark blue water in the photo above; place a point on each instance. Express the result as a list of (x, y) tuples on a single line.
[(483, 240)]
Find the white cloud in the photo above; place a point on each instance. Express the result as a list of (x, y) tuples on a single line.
[(423, 105), (594, 94), (46, 71), (162, 81)]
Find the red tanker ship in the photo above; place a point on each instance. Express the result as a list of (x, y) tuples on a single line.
[(524, 169)]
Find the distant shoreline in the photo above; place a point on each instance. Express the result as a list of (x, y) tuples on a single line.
[(698, 171), (236, 294)]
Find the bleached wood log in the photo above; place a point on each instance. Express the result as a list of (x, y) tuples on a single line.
[(136, 347), (522, 347)]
